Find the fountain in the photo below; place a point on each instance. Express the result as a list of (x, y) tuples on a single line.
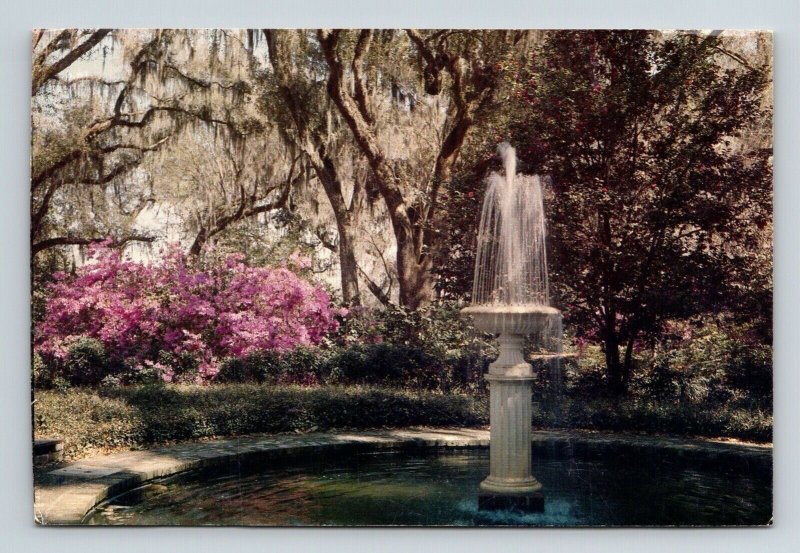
[(359, 480), (510, 298)]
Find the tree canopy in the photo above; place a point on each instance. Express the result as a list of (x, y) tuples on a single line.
[(660, 207), (368, 150)]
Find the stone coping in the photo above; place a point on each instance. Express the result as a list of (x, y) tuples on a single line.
[(65, 495)]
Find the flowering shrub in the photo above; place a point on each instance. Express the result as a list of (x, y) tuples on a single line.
[(429, 347), (178, 308)]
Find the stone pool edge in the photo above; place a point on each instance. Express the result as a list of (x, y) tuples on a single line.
[(64, 496)]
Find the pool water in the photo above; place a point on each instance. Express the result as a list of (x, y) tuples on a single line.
[(439, 488)]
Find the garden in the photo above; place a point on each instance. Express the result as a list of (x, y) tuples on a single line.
[(133, 355), (276, 233)]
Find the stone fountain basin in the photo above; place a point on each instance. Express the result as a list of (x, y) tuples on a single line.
[(510, 319)]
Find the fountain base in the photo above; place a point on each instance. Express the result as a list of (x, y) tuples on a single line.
[(529, 503), (510, 484), (519, 495)]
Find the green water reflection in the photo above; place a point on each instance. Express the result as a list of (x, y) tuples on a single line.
[(440, 488)]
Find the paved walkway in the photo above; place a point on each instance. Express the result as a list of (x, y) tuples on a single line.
[(64, 496)]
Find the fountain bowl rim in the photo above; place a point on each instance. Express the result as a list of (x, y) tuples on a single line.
[(497, 309)]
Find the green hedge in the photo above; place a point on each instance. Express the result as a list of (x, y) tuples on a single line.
[(745, 422), (397, 365), (138, 416), (91, 421)]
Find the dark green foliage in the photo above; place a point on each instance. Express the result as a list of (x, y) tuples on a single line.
[(711, 364), (382, 364), (388, 364), (304, 366), (184, 366), (751, 371), (239, 369), (142, 374), (299, 366), (430, 348), (743, 421), (137, 416), (262, 366), (656, 213), (709, 380), (87, 363)]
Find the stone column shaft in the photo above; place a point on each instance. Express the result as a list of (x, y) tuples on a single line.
[(510, 386)]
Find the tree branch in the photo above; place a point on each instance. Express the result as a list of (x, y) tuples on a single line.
[(70, 240), (43, 73), (364, 134), (222, 222), (52, 46), (361, 51), (376, 290), (200, 82)]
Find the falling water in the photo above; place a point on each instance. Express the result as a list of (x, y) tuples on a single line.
[(553, 341), (511, 263)]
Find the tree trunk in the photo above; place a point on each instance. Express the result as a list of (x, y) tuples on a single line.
[(347, 261), (199, 241), (313, 143), (345, 224), (616, 370), (414, 276), (413, 234), (627, 367)]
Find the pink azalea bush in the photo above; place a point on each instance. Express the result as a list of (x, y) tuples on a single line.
[(207, 311)]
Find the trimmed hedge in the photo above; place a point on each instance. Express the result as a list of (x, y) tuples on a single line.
[(397, 365), (743, 422), (93, 421), (138, 416)]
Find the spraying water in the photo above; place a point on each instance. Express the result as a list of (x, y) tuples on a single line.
[(511, 262)]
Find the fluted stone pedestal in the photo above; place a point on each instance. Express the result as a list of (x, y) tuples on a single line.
[(510, 484)]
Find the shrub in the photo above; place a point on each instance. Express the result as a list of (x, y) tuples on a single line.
[(180, 316), (704, 362), (430, 347), (177, 366), (388, 364), (136, 416), (41, 373), (300, 366), (656, 417), (750, 369), (711, 363), (239, 370), (86, 363)]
